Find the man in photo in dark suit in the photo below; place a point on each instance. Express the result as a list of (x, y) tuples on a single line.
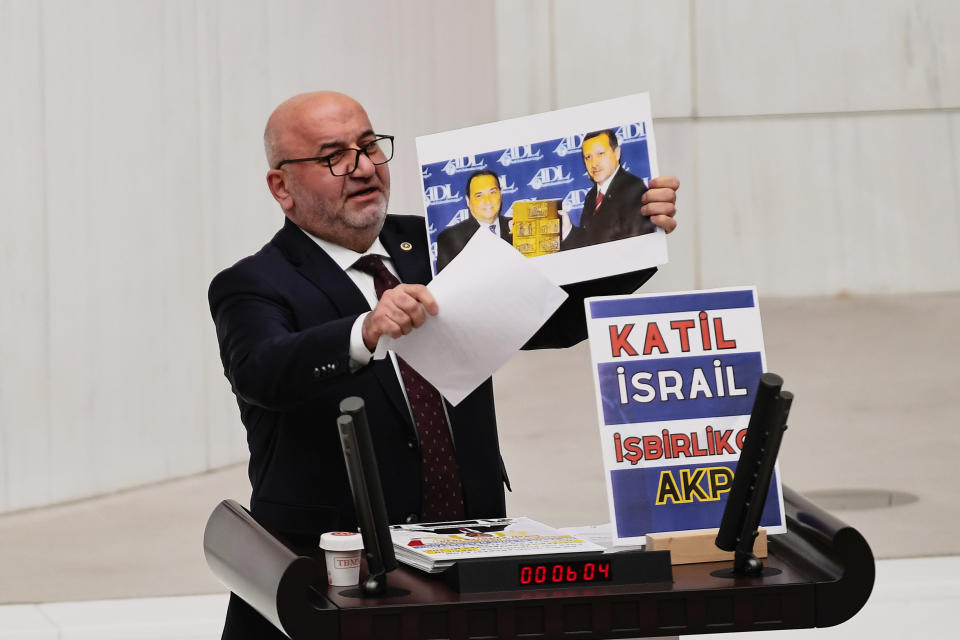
[(298, 321), (484, 202), (612, 207)]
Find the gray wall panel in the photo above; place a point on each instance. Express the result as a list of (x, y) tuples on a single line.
[(807, 56)]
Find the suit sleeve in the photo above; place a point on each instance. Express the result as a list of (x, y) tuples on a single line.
[(574, 239), (568, 324), (445, 252), (269, 361)]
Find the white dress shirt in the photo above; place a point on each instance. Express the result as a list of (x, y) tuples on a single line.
[(345, 259), (359, 354), (603, 186)]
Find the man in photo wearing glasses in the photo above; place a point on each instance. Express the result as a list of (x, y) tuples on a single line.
[(297, 323)]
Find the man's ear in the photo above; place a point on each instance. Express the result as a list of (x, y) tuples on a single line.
[(617, 153), (277, 182)]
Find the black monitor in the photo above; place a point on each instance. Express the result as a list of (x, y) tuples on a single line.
[(748, 494)]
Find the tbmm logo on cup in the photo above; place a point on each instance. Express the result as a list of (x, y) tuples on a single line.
[(347, 563)]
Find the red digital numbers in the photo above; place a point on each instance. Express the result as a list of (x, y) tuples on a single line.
[(564, 573), (588, 571)]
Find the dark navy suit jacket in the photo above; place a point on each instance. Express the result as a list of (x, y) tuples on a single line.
[(617, 218), (283, 318), (452, 240)]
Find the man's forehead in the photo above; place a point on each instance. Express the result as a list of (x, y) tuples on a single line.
[(323, 125), (485, 181), (600, 139), (320, 119)]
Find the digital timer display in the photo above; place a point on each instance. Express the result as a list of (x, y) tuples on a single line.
[(550, 573)]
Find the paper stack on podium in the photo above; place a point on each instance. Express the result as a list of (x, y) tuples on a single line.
[(432, 547)]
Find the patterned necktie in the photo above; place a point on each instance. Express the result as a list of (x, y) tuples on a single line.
[(599, 200), (442, 493), (493, 228)]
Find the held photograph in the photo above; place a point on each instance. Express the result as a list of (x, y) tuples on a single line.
[(562, 187)]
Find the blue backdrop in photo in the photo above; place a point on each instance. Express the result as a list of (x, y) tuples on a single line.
[(548, 170)]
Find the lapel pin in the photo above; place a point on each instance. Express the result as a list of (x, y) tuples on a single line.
[(406, 246)]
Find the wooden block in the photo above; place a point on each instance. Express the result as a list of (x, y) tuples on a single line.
[(697, 545)]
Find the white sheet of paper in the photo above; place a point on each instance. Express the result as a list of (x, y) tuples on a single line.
[(491, 300)]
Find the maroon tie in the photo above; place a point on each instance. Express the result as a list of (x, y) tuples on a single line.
[(599, 200), (442, 494)]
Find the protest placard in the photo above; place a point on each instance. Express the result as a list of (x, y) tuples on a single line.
[(676, 376)]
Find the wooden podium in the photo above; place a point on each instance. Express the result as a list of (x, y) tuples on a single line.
[(826, 575)]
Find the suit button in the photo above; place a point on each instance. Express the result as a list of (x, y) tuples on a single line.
[(410, 519), (411, 444)]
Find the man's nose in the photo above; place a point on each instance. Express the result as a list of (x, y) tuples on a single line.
[(365, 167)]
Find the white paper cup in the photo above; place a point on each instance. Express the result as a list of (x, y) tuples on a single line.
[(341, 550)]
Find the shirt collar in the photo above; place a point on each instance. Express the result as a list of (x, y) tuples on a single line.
[(495, 223), (346, 257), (602, 187)]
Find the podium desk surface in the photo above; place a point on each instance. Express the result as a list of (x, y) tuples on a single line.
[(695, 602), (826, 574)]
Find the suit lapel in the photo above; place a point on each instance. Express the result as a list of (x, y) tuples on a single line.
[(609, 197), (406, 242), (589, 202), (616, 184), (505, 233), (319, 268), (315, 265)]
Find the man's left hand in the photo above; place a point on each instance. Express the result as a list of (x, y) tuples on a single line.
[(660, 202)]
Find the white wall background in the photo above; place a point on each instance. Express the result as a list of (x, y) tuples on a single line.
[(817, 143)]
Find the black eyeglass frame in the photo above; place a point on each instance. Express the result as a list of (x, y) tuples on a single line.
[(356, 160)]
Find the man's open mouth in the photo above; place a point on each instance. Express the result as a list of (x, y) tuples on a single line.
[(364, 192)]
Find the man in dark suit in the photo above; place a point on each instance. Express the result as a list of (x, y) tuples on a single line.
[(484, 202), (611, 209), (297, 323)]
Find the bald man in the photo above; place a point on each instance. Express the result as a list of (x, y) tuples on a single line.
[(297, 323)]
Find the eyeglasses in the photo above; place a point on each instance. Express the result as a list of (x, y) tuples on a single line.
[(345, 161)]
